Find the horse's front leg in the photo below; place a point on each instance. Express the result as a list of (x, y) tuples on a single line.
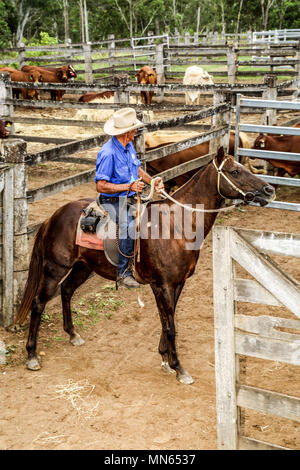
[(166, 299)]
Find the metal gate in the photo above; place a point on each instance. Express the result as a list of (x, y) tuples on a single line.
[(265, 154), (146, 47)]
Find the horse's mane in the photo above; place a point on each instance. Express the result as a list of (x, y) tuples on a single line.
[(195, 176)]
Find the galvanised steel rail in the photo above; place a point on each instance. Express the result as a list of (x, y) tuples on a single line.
[(266, 154)]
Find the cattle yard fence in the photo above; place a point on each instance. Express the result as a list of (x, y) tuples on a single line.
[(238, 335), (124, 92), (101, 60), (270, 105)]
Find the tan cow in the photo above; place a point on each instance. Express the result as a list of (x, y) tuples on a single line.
[(195, 75)]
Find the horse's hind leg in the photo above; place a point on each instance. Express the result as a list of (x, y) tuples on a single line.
[(163, 344), (79, 274)]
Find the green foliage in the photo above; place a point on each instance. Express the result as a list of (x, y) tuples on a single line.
[(45, 40), (45, 18), (5, 32)]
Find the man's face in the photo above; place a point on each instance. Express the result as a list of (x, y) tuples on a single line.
[(131, 135)]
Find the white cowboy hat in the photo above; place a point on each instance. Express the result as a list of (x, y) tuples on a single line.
[(123, 120)]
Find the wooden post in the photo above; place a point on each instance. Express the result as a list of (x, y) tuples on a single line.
[(231, 67), (139, 141), (69, 55), (111, 50), (297, 67), (7, 242), (223, 38), (269, 117), (176, 37), (87, 51), (220, 120), (196, 38), (22, 54), (187, 39), (14, 227), (160, 70), (225, 365), (249, 37), (6, 111), (121, 80)]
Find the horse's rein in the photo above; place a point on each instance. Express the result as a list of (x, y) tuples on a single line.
[(220, 173)]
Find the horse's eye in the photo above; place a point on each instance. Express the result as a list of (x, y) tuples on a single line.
[(234, 173)]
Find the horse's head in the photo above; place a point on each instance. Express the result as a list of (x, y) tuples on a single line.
[(236, 182)]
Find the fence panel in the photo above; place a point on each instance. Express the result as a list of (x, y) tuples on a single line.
[(262, 336)]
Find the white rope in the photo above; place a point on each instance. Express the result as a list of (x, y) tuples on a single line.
[(193, 209)]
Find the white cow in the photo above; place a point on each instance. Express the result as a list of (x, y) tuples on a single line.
[(195, 75)]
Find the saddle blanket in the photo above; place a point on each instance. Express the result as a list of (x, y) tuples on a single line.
[(89, 240)]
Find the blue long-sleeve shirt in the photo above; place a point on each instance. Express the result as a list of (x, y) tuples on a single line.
[(117, 164)]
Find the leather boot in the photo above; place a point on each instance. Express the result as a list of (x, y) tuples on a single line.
[(129, 282)]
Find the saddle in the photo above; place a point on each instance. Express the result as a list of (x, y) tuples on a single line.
[(97, 231)]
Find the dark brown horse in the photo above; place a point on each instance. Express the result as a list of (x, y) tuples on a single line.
[(165, 264)]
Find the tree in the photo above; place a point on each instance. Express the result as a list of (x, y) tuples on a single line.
[(239, 17), (5, 32), (265, 9)]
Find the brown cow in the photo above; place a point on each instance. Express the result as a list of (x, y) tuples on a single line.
[(22, 76), (94, 95), (53, 75), (174, 159), (4, 132), (280, 143), (147, 76)]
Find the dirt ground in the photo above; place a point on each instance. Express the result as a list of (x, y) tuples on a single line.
[(111, 393)]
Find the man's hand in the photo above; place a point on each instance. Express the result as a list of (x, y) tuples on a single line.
[(159, 185), (137, 186)]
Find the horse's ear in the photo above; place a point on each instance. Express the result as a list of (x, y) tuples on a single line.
[(220, 155)]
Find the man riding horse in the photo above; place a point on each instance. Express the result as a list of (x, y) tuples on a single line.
[(118, 178)]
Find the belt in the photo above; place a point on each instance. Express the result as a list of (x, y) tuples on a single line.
[(104, 199)]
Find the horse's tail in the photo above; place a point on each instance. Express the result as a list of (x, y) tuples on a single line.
[(34, 278)]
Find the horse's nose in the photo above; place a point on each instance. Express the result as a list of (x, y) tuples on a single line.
[(268, 190)]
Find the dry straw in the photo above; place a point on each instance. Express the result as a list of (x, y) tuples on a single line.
[(79, 395)]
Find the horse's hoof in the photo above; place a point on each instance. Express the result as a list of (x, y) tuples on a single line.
[(185, 379), (76, 340), (167, 368), (34, 363)]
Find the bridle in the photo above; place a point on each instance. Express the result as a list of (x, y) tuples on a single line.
[(248, 196)]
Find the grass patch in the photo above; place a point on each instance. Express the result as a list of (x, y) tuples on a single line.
[(100, 306)]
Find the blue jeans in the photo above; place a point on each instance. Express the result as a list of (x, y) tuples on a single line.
[(121, 212)]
